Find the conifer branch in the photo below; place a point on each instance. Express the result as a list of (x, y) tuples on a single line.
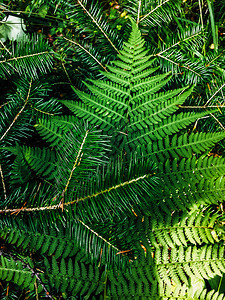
[(99, 236), (79, 45), (77, 162), (19, 113), (99, 27), (179, 65), (179, 42), (214, 94), (22, 57), (7, 50), (148, 14), (54, 207)]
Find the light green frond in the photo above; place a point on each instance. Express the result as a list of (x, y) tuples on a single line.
[(14, 271)]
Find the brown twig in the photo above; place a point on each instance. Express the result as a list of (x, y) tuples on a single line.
[(3, 182)]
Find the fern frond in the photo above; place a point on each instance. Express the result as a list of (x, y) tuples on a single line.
[(194, 227), (11, 270), (183, 145), (169, 126), (182, 196), (204, 262)]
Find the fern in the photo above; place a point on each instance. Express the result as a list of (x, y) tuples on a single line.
[(125, 199)]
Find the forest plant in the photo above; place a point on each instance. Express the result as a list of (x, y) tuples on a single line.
[(121, 200)]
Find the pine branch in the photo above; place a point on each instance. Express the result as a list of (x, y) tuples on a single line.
[(22, 57), (214, 95), (99, 236), (94, 195), (149, 13), (77, 162), (19, 113), (89, 53), (98, 25), (179, 65)]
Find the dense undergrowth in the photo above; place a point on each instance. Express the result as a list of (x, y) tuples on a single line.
[(112, 149)]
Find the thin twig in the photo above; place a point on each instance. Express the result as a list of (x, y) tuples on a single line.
[(99, 236), (36, 289), (5, 47), (215, 58), (19, 113), (221, 125), (139, 9), (67, 75), (6, 103), (43, 112), (77, 44), (3, 182), (99, 27), (179, 42), (200, 10), (214, 94)]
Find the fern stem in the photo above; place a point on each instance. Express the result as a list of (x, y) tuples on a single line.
[(26, 265), (77, 44), (186, 262), (209, 106), (99, 27), (19, 113), (158, 6), (3, 182)]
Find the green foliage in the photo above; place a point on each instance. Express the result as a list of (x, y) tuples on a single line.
[(113, 194), (26, 58)]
